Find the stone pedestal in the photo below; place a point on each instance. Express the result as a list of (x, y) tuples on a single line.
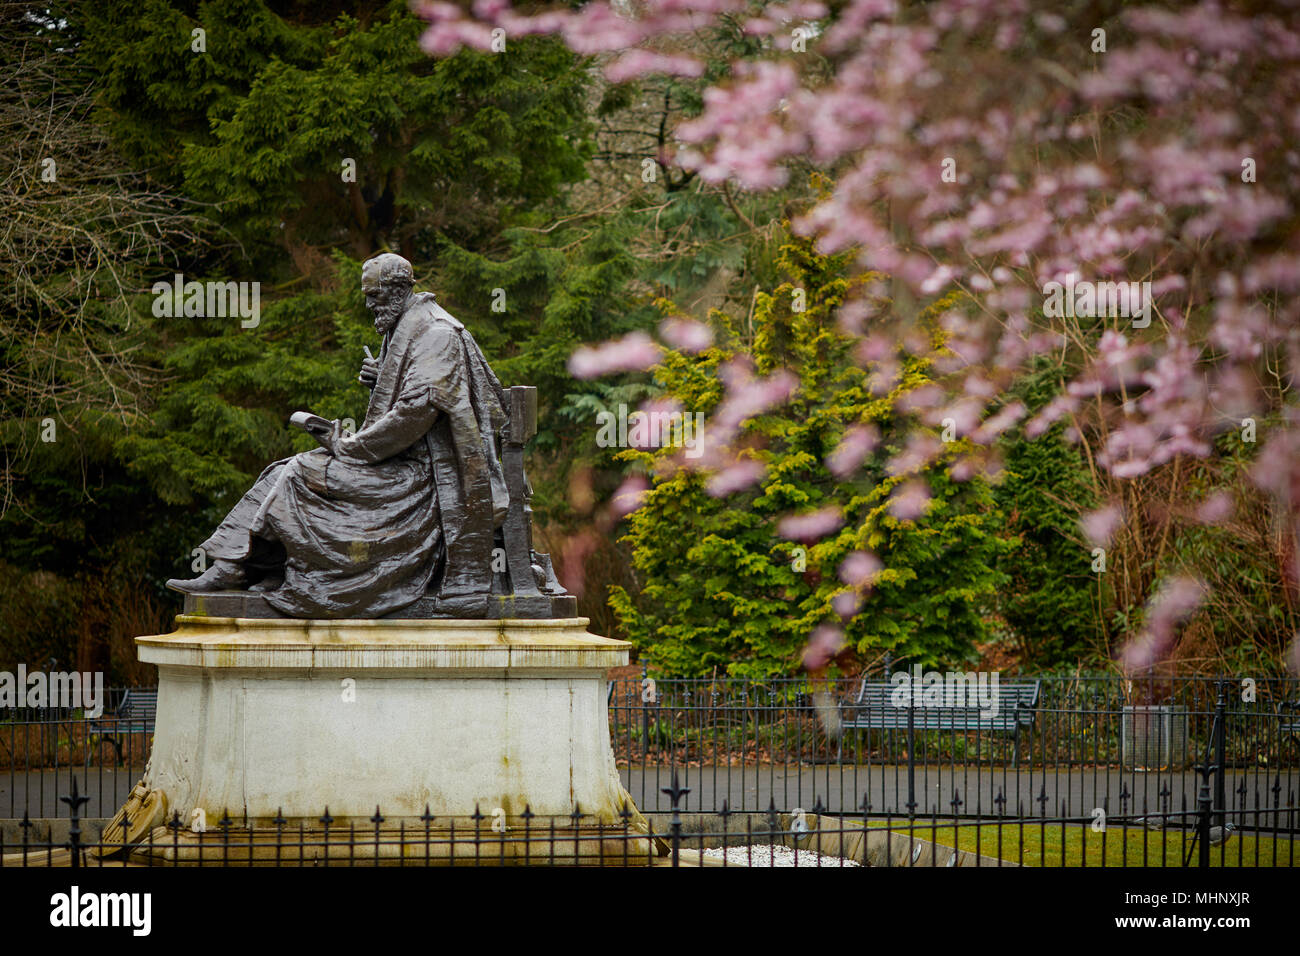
[(259, 718)]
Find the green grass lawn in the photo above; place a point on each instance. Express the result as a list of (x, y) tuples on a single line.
[(1050, 844)]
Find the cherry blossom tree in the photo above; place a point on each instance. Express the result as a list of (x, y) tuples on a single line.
[(1115, 188)]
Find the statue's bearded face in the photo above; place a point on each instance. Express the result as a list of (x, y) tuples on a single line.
[(386, 301)]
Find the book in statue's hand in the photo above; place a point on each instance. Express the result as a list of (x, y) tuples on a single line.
[(319, 428)]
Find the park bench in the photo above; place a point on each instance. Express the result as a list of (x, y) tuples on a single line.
[(872, 708), (135, 715)]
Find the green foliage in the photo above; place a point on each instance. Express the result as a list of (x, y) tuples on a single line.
[(1051, 603), (458, 155), (558, 290), (40, 619), (223, 417), (465, 165), (718, 586), (262, 120), (455, 159)]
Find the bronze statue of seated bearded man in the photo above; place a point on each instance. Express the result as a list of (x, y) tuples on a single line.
[(409, 511)]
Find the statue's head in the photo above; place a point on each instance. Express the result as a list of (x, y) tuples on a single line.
[(386, 281)]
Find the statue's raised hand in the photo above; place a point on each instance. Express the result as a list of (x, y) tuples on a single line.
[(369, 370)]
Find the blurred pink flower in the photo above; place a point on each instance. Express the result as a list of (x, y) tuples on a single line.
[(1099, 526), (921, 450), (909, 501), (686, 335), (629, 496), (1053, 411), (573, 560), (635, 63), (919, 399), (634, 352), (874, 348), (823, 644), (736, 477), (860, 568), (999, 422), (1177, 599), (1216, 509), (965, 468), (858, 442), (846, 604), (748, 399), (811, 526)]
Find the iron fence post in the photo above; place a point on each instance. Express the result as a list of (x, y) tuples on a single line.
[(75, 802), (1220, 755), (911, 759), (675, 794), (1203, 817)]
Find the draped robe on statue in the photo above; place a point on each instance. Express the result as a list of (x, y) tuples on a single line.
[(409, 504)]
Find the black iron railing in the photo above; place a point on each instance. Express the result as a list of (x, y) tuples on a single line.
[(1088, 742), (1183, 838)]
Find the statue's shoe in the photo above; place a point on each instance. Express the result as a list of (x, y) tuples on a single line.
[(222, 576), (266, 584)]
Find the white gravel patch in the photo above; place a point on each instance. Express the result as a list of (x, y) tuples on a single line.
[(766, 854)]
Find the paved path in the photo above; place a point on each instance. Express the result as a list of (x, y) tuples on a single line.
[(38, 792)]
